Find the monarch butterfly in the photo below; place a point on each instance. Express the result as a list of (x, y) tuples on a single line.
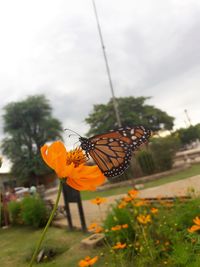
[(112, 151)]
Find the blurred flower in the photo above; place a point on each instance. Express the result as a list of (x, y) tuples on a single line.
[(125, 225), (133, 193), (98, 200), (127, 199), (87, 261), (119, 227), (99, 230), (154, 210), (195, 227), (122, 205), (144, 219), (92, 226), (197, 221), (116, 228), (139, 203), (119, 245), (70, 165)]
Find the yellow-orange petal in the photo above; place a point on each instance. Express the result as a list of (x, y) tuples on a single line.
[(83, 263), (197, 220), (87, 261), (133, 193), (55, 156), (119, 245), (93, 260), (116, 228), (98, 200), (194, 228), (84, 177), (154, 210), (92, 226)]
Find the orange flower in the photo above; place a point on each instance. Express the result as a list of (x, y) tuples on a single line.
[(197, 221), (92, 226), (116, 228), (154, 210), (139, 203), (122, 205), (95, 228), (98, 200), (144, 219), (87, 261), (133, 193), (125, 225), (99, 230), (119, 245), (70, 165), (127, 199), (193, 228), (196, 226)]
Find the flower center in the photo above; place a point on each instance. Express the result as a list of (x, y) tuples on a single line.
[(76, 156)]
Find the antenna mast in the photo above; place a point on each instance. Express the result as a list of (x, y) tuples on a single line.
[(107, 67)]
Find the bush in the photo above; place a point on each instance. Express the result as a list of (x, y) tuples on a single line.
[(161, 240), (188, 135), (146, 162), (34, 212), (163, 151), (14, 209)]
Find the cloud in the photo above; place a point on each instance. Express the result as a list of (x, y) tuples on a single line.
[(53, 47)]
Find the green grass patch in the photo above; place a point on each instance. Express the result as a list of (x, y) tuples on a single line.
[(17, 245), (191, 171)]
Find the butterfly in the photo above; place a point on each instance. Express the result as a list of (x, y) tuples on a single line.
[(112, 151)]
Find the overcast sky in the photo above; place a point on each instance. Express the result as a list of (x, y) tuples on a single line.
[(52, 47)]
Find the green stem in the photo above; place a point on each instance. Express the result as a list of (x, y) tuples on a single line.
[(47, 225), (147, 243)]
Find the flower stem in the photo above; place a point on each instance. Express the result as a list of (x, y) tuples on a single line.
[(147, 243), (47, 225)]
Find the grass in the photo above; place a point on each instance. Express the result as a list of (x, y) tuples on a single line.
[(17, 244), (191, 171)]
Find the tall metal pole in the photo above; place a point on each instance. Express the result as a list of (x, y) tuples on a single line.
[(107, 67), (188, 118)]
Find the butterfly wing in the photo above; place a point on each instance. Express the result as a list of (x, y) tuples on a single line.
[(134, 136), (112, 151), (111, 155)]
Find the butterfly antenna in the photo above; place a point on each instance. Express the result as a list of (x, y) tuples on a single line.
[(66, 129)]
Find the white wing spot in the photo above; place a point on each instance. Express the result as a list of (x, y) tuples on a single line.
[(133, 137)]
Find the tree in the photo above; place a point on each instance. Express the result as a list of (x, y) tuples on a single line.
[(133, 111), (188, 135), (28, 125)]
